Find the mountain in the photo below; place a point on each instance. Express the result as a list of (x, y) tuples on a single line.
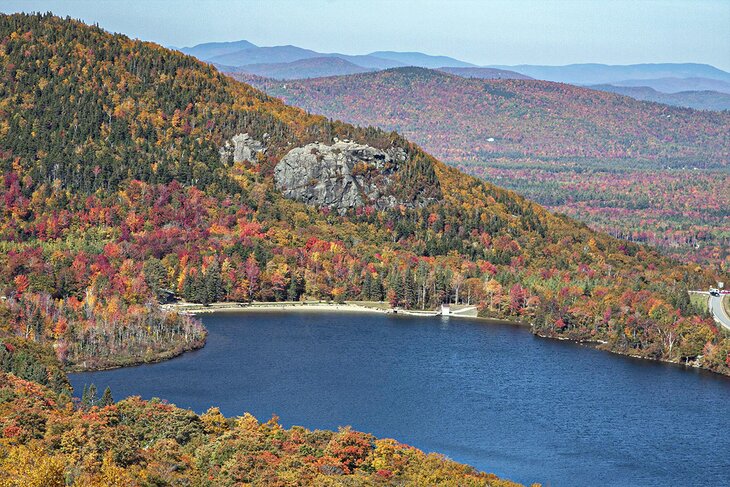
[(699, 100), (594, 74), (304, 68), (676, 85), (234, 59), (641, 171), (212, 49), (133, 174), (667, 77), (484, 73), (152, 160), (367, 61), (264, 55), (459, 118), (241, 53), (421, 59)]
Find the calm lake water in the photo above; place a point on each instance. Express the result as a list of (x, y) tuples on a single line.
[(491, 395)]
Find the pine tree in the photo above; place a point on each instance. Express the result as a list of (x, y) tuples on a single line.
[(200, 294), (155, 274), (378, 290), (106, 398), (366, 293), (213, 284), (409, 289), (91, 398), (188, 290), (395, 284), (295, 287)]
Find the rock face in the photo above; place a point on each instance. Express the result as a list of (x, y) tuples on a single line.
[(340, 176), (241, 148)]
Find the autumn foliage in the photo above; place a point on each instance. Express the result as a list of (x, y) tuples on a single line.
[(46, 440), (114, 200), (114, 208), (645, 172)]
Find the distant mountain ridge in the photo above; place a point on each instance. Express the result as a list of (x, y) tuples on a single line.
[(212, 49), (422, 60), (460, 118), (367, 61), (484, 73), (304, 68), (677, 85), (268, 55), (699, 100), (593, 73), (243, 52), (292, 62)]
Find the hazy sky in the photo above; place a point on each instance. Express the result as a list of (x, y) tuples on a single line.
[(481, 32)]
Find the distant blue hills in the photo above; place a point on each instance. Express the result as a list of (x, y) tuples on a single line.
[(243, 53), (691, 85)]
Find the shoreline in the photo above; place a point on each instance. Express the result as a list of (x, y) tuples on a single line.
[(194, 309), (354, 307), (378, 307), (374, 307), (600, 346), (160, 357)]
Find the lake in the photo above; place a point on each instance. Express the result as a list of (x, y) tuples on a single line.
[(488, 394)]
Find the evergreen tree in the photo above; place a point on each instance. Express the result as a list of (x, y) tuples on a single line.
[(200, 294), (155, 275), (91, 397), (296, 287), (396, 284), (378, 290), (409, 289), (106, 398), (213, 284), (681, 301), (188, 288), (366, 293)]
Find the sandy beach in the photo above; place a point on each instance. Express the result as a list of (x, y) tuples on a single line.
[(195, 308), (319, 306)]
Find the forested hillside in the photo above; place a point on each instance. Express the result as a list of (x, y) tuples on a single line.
[(115, 195), (456, 117), (49, 442), (700, 100), (92, 237), (303, 68), (608, 160)]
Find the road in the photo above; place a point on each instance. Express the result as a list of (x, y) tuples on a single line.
[(719, 312)]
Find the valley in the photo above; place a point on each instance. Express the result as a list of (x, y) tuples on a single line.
[(645, 172), (138, 184), (418, 379), (680, 211)]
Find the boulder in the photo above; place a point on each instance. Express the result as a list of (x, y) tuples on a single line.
[(241, 148), (340, 176)]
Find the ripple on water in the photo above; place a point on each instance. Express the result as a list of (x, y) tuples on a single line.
[(492, 395)]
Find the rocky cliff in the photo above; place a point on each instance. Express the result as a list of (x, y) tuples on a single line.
[(241, 148), (343, 175)]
